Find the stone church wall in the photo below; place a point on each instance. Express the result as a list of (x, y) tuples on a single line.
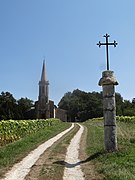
[(61, 114), (51, 109)]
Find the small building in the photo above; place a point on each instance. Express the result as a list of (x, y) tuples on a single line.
[(60, 114)]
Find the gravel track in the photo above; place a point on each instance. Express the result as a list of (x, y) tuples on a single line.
[(21, 169), (73, 170)]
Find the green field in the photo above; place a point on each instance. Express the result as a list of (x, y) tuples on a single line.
[(18, 140), (13, 130), (13, 152), (119, 165)]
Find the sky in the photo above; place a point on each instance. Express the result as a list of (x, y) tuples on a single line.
[(65, 33)]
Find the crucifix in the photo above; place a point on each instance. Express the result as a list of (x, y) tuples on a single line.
[(107, 44)]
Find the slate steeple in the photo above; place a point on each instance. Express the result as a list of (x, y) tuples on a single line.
[(43, 86), (43, 75), (44, 107)]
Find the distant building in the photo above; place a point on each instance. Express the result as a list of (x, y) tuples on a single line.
[(60, 114), (45, 108)]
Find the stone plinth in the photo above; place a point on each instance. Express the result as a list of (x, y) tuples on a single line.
[(108, 82)]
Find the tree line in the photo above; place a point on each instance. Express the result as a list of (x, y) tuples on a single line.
[(82, 105), (10, 108), (79, 105)]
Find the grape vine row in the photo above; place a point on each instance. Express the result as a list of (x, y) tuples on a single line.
[(12, 130)]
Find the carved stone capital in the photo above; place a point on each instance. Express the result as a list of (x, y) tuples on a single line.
[(108, 78)]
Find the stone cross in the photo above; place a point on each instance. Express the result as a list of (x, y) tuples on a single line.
[(107, 44), (108, 82)]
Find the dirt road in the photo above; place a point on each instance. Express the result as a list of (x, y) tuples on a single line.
[(73, 169), (64, 158)]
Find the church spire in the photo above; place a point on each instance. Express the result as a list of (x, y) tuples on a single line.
[(43, 86), (43, 75)]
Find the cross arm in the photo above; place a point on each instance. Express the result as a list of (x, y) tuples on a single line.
[(114, 43), (107, 43), (99, 43)]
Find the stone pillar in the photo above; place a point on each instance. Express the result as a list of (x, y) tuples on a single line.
[(108, 83)]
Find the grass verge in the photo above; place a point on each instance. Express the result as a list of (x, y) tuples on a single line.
[(119, 165), (14, 152)]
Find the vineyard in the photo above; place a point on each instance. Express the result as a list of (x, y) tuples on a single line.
[(12, 130), (28, 134), (125, 119)]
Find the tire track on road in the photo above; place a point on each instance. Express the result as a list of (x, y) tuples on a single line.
[(73, 169), (50, 165), (21, 169)]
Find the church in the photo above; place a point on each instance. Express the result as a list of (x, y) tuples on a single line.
[(45, 108)]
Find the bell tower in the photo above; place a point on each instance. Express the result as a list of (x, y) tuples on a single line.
[(42, 105), (43, 87)]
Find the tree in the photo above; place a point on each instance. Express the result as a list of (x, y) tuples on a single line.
[(24, 106), (119, 104), (8, 106), (81, 105), (129, 109)]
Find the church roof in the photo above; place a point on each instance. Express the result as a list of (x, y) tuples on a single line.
[(43, 75)]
